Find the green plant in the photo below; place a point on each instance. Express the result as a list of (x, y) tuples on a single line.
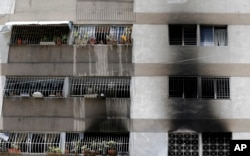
[(64, 37), (54, 149), (45, 39), (15, 146)]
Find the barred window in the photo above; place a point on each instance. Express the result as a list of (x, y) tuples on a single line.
[(183, 87), (116, 87), (215, 88), (102, 34), (182, 144), (98, 142), (182, 34), (209, 88), (34, 34), (34, 86), (216, 144)]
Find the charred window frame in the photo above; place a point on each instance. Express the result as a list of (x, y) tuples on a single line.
[(183, 87), (213, 35), (215, 88), (34, 86), (182, 34), (95, 87)]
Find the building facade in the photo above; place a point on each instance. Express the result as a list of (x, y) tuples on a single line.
[(156, 77)]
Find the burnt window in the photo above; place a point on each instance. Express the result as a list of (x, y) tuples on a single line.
[(39, 34), (183, 87), (93, 87), (215, 88), (182, 34), (213, 35), (34, 86), (182, 144), (216, 143)]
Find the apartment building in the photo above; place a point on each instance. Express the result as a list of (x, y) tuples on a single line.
[(143, 77)]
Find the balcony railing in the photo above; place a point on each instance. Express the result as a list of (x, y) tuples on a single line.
[(35, 143), (83, 35), (93, 87), (34, 86), (39, 34)]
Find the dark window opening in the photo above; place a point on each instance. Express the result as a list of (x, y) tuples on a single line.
[(216, 143), (182, 34), (182, 144), (183, 87)]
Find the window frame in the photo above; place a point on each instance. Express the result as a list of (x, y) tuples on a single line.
[(226, 93), (214, 27), (183, 43)]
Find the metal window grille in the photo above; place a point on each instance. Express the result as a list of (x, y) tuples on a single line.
[(216, 88), (182, 34), (34, 86), (118, 87), (102, 34), (30, 34), (216, 144), (27, 142), (96, 143), (183, 144), (105, 10), (183, 87)]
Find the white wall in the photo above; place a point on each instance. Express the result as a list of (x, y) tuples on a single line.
[(151, 45), (7, 6), (150, 101), (195, 6)]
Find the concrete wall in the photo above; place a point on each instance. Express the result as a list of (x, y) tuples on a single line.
[(151, 45), (197, 6)]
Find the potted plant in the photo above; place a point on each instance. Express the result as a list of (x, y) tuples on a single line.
[(14, 149), (123, 39), (19, 41), (111, 148), (81, 41), (85, 150), (64, 38), (54, 151), (92, 40), (109, 39), (45, 41)]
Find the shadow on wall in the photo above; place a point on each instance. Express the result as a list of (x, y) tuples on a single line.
[(190, 113)]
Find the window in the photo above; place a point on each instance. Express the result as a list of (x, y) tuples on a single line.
[(189, 87), (215, 88), (93, 87), (216, 144), (213, 35), (182, 144), (183, 87), (188, 143), (183, 34), (34, 86)]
